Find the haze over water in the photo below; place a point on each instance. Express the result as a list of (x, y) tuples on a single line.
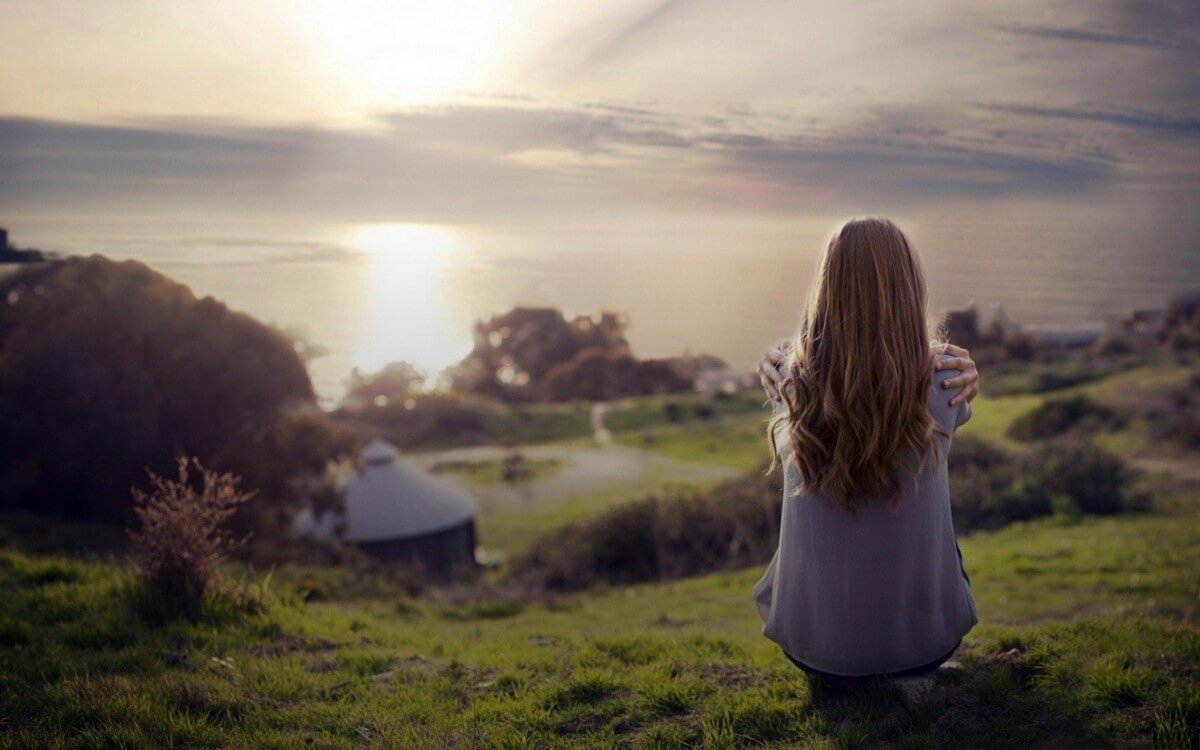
[(374, 293)]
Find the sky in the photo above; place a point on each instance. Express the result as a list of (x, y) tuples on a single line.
[(475, 112)]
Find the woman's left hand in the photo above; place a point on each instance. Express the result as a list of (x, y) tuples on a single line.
[(768, 372), (968, 379)]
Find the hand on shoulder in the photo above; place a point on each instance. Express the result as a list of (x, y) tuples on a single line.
[(951, 357), (771, 370)]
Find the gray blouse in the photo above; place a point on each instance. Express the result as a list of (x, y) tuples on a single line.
[(876, 592)]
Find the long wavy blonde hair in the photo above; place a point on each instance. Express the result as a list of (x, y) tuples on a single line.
[(860, 370)]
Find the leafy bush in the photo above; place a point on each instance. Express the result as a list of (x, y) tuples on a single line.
[(1056, 416), (980, 474), (662, 537), (1113, 343), (737, 523), (1090, 479), (1179, 422), (179, 543), (989, 487)]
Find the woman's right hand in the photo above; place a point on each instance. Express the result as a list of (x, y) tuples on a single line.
[(768, 369)]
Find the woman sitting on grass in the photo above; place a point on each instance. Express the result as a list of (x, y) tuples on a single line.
[(867, 578)]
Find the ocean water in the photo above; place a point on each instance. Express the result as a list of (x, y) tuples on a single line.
[(373, 293)]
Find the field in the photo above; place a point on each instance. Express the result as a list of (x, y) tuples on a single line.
[(1089, 637)]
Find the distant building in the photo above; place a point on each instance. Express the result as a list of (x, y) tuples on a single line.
[(396, 512), (724, 380), (1147, 324), (995, 318), (1070, 338)]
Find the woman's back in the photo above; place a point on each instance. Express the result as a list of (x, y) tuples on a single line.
[(881, 590)]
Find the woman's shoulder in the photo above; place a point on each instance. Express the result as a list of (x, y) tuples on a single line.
[(940, 396), (937, 358), (940, 375)]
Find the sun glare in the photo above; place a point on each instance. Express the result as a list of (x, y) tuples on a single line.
[(409, 278), (400, 52)]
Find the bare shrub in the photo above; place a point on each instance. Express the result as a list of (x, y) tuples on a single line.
[(179, 544)]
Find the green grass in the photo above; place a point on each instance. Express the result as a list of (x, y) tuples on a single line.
[(511, 531), (735, 441), (738, 439), (1015, 376), (1088, 637), (537, 423), (655, 411)]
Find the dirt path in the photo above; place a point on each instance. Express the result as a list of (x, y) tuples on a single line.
[(585, 470), (601, 433), (1178, 467)]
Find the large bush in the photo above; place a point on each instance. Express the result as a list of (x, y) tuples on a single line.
[(107, 369), (990, 487), (1074, 472), (662, 537), (1056, 416), (1179, 419)]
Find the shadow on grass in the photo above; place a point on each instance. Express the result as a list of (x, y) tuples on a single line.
[(979, 701)]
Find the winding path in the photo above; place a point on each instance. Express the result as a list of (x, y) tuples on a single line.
[(585, 470), (599, 431)]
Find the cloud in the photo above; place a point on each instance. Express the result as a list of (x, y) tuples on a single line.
[(646, 22), (456, 162), (1068, 34), (1129, 118)]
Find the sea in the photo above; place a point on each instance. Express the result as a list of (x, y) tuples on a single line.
[(368, 293)]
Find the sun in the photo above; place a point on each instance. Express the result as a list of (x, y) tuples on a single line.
[(410, 272), (404, 53)]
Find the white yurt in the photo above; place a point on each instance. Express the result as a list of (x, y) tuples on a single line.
[(396, 512)]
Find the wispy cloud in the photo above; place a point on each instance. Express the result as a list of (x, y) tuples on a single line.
[(632, 105), (439, 162), (1129, 118), (1093, 36), (644, 23)]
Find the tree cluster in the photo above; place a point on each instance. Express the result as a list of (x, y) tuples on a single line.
[(108, 369), (537, 354)]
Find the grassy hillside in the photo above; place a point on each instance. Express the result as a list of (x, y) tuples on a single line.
[(737, 438), (1089, 637)]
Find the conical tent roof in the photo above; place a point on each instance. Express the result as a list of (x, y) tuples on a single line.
[(388, 499)]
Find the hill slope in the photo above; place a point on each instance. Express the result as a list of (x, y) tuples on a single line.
[(1089, 636)]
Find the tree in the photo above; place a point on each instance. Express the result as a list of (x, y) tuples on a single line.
[(108, 369), (599, 375), (393, 384), (513, 352)]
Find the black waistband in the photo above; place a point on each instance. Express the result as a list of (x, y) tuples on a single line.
[(902, 673)]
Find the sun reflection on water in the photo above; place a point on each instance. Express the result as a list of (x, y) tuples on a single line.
[(410, 276)]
